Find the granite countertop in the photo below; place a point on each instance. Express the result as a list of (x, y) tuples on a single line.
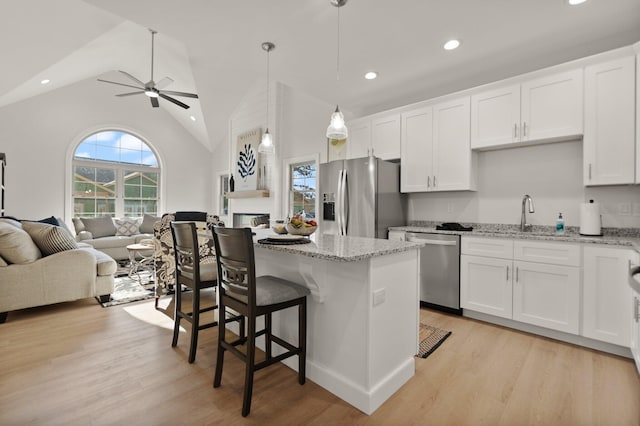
[(611, 236), (341, 248)]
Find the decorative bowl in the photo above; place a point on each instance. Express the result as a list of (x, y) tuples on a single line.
[(301, 230), (279, 228)]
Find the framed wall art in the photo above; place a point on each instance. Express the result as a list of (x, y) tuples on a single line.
[(246, 166)]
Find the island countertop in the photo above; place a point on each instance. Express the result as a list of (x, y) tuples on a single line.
[(341, 248)]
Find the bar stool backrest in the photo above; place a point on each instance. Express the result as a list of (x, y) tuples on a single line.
[(236, 263), (185, 244)]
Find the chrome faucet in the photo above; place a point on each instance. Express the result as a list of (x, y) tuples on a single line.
[(524, 226)]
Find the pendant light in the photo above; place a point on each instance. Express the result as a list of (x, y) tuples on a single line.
[(337, 129), (266, 144)]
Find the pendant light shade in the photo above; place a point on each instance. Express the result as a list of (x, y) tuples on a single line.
[(337, 128), (266, 144)]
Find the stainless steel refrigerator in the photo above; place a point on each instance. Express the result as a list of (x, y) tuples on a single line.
[(360, 197)]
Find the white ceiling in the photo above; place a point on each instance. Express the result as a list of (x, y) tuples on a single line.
[(212, 47)]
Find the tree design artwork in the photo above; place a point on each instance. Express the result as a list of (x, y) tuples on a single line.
[(246, 162)]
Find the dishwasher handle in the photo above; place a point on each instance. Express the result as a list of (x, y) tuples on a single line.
[(414, 238)]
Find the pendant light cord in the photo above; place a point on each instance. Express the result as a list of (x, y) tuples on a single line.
[(268, 51), (338, 49)]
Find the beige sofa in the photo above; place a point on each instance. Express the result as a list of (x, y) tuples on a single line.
[(36, 274), (112, 236)]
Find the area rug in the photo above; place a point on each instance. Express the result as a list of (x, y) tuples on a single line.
[(127, 290), (430, 339)]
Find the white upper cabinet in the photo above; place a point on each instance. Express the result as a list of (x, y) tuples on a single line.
[(435, 151), (385, 137), (495, 117), (452, 158), (359, 139), (609, 136), (552, 107), (545, 109), (416, 150), (376, 135)]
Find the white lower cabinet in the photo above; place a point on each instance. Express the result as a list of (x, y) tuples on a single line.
[(606, 308), (485, 285), (547, 296), (495, 281)]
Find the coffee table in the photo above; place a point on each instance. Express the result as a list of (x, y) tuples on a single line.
[(140, 259)]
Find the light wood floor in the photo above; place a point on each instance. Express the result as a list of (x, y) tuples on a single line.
[(79, 363)]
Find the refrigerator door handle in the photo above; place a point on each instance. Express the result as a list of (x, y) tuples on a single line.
[(339, 202), (345, 203)]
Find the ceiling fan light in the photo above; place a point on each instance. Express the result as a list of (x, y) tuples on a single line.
[(151, 93), (337, 129), (266, 144)]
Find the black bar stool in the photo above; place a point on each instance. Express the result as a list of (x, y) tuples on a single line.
[(194, 275), (251, 296)]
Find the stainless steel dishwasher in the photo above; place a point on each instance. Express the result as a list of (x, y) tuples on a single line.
[(439, 270)]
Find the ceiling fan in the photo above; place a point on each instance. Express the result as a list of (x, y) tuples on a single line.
[(152, 89)]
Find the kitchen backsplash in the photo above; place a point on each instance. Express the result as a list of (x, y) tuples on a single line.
[(551, 174)]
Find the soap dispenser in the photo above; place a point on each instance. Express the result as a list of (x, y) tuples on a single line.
[(560, 224)]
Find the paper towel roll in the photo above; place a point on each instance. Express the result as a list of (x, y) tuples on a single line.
[(590, 219)]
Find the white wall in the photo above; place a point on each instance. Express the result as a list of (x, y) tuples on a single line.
[(36, 135), (551, 174), (297, 123)]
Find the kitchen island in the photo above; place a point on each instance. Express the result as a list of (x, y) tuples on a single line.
[(362, 315)]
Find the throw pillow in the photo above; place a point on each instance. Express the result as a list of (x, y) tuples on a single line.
[(126, 226), (50, 220), (11, 221), (99, 226), (78, 225), (146, 227), (16, 246), (50, 239), (3, 262)]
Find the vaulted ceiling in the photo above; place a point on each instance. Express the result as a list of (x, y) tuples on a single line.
[(213, 47)]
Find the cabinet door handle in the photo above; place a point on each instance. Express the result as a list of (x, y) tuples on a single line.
[(434, 181), (589, 171), (428, 181), (507, 273), (524, 129), (518, 273), (636, 309), (515, 130)]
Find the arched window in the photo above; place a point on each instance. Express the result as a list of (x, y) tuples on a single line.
[(116, 174)]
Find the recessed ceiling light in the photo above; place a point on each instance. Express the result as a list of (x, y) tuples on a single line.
[(371, 75), (575, 2), (45, 81), (451, 44), (192, 118)]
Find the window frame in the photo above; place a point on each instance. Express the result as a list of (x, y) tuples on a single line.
[(72, 162), (287, 163)]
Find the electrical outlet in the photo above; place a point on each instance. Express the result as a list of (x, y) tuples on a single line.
[(624, 209), (379, 296)]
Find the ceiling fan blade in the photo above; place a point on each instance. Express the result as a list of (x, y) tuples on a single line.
[(175, 101), (154, 102), (131, 93), (164, 82), (186, 95), (132, 77), (121, 84)]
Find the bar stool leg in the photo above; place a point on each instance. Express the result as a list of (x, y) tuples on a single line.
[(177, 300), (302, 341), (251, 358), (195, 325), (222, 327), (267, 335)]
